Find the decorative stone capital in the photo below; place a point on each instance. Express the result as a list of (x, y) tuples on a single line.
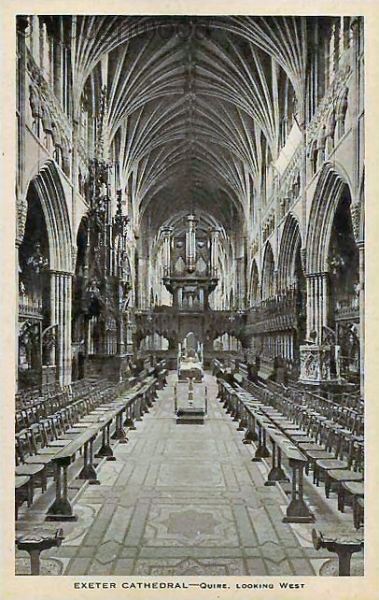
[(74, 254), (355, 210), (22, 212)]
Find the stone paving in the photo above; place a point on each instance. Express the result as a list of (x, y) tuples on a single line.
[(187, 500)]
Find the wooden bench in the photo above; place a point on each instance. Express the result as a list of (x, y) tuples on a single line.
[(35, 542), (40, 449), (96, 423), (258, 417), (23, 492), (343, 546), (322, 440)]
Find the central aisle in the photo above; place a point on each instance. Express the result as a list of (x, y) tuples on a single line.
[(184, 500)]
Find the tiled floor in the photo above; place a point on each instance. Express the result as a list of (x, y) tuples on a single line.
[(186, 499)]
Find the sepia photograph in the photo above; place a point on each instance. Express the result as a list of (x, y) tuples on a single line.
[(189, 397)]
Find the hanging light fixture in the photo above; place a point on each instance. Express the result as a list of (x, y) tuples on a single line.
[(37, 262)]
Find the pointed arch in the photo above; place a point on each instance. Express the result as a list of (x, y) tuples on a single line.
[(331, 185), (54, 205), (254, 285)]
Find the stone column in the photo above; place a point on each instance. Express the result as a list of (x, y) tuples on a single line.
[(356, 207), (321, 139), (315, 358), (361, 248), (311, 320), (61, 300), (17, 309), (143, 290), (129, 333), (21, 215), (356, 212), (21, 202), (317, 303), (58, 75), (354, 108), (121, 331), (22, 24), (201, 298)]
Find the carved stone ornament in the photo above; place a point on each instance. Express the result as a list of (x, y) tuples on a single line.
[(336, 89), (321, 137), (310, 366), (319, 364), (35, 101), (342, 103), (22, 212), (331, 124), (47, 121), (355, 210), (57, 134), (74, 254), (45, 105)]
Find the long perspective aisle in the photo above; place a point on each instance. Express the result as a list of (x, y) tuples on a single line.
[(184, 500)]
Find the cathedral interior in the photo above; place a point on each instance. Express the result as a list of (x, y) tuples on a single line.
[(190, 345)]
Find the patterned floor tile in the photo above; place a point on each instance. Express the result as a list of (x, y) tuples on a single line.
[(185, 500)]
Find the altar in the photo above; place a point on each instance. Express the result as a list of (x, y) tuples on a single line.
[(190, 368), (190, 359)]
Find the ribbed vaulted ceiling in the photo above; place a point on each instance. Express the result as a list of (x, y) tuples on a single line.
[(190, 120)]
